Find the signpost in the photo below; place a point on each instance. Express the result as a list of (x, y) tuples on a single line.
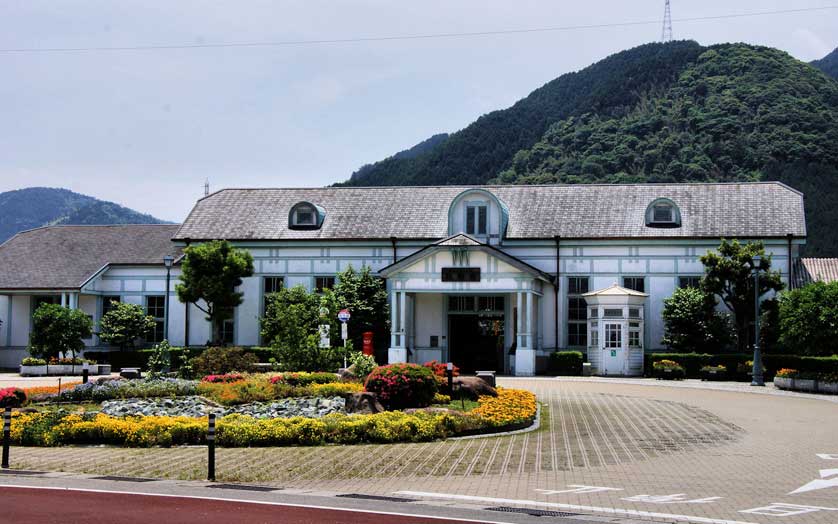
[(323, 329), (343, 316)]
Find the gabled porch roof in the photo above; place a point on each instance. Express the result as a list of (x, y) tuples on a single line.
[(461, 241)]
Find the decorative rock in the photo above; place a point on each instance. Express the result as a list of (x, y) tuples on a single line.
[(363, 402), (473, 387)]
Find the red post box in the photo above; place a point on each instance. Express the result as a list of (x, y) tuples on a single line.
[(368, 349)]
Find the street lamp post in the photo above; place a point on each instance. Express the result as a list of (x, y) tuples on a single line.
[(756, 375), (168, 261)]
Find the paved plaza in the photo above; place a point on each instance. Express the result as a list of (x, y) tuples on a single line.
[(623, 449)]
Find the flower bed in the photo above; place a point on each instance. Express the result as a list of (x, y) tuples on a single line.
[(510, 409), (258, 388), (794, 380), (229, 377), (714, 372), (12, 397), (667, 370), (111, 389), (304, 378), (314, 407)]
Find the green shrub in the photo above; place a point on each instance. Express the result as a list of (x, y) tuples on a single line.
[(12, 397), (693, 362), (309, 357), (566, 363), (57, 329), (362, 365), (400, 386), (32, 361), (112, 389), (807, 319), (714, 372), (160, 359), (303, 378), (124, 324), (218, 361), (691, 321)]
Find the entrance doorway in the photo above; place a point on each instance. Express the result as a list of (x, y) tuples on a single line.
[(476, 332)]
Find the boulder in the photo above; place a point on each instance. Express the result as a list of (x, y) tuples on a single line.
[(347, 374), (472, 388), (364, 402)]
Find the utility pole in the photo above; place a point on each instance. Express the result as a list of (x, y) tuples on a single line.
[(666, 34)]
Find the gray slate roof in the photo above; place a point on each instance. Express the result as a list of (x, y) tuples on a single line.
[(760, 209), (808, 270), (64, 257)]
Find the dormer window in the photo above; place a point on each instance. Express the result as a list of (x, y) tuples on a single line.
[(477, 218), (306, 216), (663, 213)]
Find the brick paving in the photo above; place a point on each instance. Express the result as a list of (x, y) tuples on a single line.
[(750, 450)]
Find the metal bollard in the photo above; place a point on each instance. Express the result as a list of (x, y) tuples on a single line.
[(449, 370), (7, 436), (85, 373), (211, 448)]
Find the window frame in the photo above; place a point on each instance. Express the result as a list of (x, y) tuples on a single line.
[(685, 281), (319, 288), (634, 280), (158, 334), (609, 343), (577, 325), (477, 216)]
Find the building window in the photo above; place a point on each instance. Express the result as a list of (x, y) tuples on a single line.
[(594, 334), (45, 299), (634, 338), (689, 282), (155, 306), (613, 336), (612, 313), (476, 219), (305, 216), (270, 285), (109, 302), (323, 283), (228, 331), (577, 312), (635, 283), (663, 213)]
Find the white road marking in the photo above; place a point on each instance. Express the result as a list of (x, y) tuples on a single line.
[(675, 498), (781, 509), (556, 505), (578, 488), (821, 483), (828, 456), (261, 502)]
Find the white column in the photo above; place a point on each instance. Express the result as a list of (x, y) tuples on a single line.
[(525, 356), (63, 299), (397, 352), (402, 319), (519, 322)]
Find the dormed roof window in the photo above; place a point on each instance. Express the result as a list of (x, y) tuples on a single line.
[(663, 213), (305, 215)]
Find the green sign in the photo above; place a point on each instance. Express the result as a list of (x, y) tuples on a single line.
[(613, 352)]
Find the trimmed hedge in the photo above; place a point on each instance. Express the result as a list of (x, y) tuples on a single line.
[(693, 362), (138, 358), (565, 363)]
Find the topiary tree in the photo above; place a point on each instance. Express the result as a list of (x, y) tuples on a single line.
[(57, 329), (124, 324), (218, 361), (210, 274), (729, 274), (692, 324), (808, 319)]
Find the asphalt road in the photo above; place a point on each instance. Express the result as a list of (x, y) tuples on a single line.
[(62, 506)]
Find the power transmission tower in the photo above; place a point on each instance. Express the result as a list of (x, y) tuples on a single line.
[(666, 34)]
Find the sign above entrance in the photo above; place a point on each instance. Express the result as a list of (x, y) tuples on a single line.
[(461, 274)]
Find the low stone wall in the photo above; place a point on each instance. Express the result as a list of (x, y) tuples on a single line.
[(806, 385)]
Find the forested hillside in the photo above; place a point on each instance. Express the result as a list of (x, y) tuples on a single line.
[(658, 113), (828, 64), (39, 206)]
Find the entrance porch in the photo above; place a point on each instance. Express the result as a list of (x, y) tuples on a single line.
[(468, 303)]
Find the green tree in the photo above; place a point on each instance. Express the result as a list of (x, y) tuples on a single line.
[(729, 275), (291, 323), (809, 319), (57, 329), (365, 296), (692, 324), (210, 274), (124, 324)]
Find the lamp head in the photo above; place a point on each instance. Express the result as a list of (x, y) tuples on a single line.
[(168, 261)]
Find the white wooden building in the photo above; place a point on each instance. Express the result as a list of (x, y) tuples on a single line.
[(493, 277)]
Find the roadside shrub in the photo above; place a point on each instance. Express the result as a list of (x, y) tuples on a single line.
[(304, 378), (361, 365), (12, 398), (400, 386), (32, 361), (737, 363), (566, 363), (807, 319), (691, 321), (219, 361), (668, 369)]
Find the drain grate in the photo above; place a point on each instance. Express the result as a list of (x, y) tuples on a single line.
[(243, 487), (374, 497), (19, 472), (123, 479), (534, 512)]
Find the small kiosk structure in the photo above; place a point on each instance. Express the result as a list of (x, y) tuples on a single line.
[(616, 331)]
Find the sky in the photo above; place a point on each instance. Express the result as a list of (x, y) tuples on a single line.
[(146, 128)]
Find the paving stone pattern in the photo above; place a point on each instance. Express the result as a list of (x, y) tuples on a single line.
[(749, 450)]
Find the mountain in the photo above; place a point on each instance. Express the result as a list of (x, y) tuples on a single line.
[(828, 64), (656, 113), (417, 150), (33, 207)]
